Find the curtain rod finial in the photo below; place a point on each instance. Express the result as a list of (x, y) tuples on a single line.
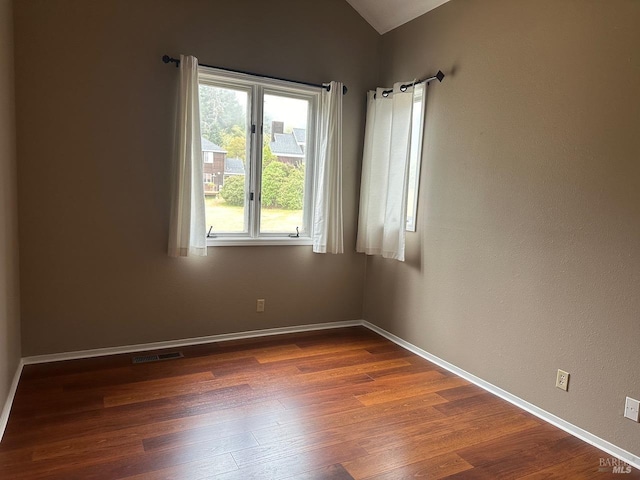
[(168, 59), (440, 75)]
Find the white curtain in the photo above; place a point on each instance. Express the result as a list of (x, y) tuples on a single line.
[(327, 221), (187, 229), (385, 173)]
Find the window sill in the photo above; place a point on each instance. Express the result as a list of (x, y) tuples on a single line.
[(257, 242)]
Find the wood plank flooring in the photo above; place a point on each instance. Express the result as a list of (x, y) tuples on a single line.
[(336, 404)]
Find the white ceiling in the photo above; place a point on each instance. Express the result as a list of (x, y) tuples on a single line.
[(385, 15)]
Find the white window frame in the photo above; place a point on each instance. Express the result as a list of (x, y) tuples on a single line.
[(416, 159), (256, 88)]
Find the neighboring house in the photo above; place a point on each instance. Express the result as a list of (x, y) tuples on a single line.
[(288, 147), (213, 157), (300, 134), (217, 167), (232, 167)]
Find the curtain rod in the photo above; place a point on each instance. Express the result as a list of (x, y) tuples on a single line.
[(403, 88), (168, 59)]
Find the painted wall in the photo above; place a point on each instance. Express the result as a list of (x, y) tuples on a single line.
[(527, 254), (9, 301), (95, 110)]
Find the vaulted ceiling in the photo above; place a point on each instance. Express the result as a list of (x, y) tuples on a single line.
[(385, 15)]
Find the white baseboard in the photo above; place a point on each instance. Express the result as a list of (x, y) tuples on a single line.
[(6, 410), (142, 347), (578, 432)]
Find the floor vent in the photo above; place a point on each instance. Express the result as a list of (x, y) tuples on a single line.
[(157, 358)]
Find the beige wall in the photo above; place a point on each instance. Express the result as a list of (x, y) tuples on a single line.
[(527, 255), (95, 114), (9, 302)]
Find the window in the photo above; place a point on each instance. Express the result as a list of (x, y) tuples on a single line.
[(415, 156), (261, 133)]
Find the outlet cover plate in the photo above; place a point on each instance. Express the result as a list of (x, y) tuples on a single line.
[(562, 380), (631, 409)]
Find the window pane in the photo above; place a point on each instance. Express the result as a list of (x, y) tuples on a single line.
[(224, 123), (284, 161), (414, 158)]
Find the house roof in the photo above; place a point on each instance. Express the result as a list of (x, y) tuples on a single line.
[(285, 145), (208, 146), (233, 166), (300, 134)]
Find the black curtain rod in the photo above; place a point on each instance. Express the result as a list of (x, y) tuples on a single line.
[(168, 59), (403, 88)]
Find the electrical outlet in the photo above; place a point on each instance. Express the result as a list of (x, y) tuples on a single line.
[(260, 305), (631, 409), (562, 380)]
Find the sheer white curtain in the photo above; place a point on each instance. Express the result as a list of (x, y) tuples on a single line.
[(385, 173), (327, 221), (187, 229)]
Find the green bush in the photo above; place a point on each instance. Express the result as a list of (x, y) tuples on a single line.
[(233, 191), (292, 190), (273, 177), (282, 186)]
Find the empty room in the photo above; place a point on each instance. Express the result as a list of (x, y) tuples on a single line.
[(348, 239)]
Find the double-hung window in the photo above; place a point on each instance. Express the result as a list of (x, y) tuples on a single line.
[(259, 142)]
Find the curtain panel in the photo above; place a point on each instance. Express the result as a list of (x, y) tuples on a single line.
[(385, 173), (327, 220), (187, 228)]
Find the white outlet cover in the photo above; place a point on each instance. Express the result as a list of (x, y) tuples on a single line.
[(632, 409), (562, 380)]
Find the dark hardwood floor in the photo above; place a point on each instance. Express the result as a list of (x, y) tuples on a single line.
[(336, 404)]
